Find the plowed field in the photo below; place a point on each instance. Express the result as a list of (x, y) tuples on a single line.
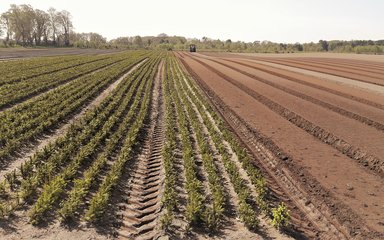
[(324, 130)]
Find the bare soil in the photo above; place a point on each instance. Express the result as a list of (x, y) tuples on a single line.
[(294, 114)]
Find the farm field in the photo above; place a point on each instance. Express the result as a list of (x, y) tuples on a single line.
[(7, 54), (314, 125), (175, 145)]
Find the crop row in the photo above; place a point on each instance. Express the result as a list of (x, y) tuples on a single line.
[(27, 121), (19, 91), (25, 68), (214, 214), (89, 144), (246, 213), (22, 75), (225, 141), (195, 117), (193, 185)]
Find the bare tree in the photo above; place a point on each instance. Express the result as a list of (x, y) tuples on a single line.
[(41, 25), (5, 21), (65, 22), (53, 24)]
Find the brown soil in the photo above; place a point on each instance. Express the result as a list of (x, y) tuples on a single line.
[(232, 232), (337, 67), (312, 127)]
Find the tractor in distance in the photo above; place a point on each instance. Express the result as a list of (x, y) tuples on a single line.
[(192, 48)]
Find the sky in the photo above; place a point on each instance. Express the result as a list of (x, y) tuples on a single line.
[(285, 21)]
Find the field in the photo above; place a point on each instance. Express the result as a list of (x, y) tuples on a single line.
[(174, 145)]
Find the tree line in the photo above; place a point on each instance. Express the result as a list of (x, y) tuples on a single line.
[(22, 25), (25, 26)]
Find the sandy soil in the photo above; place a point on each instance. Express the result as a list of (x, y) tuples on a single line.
[(353, 188)]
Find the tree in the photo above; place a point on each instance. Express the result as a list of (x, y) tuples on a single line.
[(42, 22), (22, 23), (5, 24), (64, 21), (138, 41), (53, 23), (324, 45), (298, 47)]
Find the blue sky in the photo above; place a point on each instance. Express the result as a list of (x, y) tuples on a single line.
[(247, 20)]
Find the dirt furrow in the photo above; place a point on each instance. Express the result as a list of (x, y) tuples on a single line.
[(366, 159), (232, 198), (269, 163), (344, 64), (334, 108), (298, 181), (337, 72), (275, 72), (47, 139), (139, 214)]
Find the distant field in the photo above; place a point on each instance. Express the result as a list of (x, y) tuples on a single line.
[(367, 57), (12, 53), (97, 144)]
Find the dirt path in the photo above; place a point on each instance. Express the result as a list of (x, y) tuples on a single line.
[(330, 190), (140, 213), (45, 140)]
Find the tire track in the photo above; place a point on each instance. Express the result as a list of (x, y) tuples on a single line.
[(142, 206), (367, 160), (296, 80), (308, 98)]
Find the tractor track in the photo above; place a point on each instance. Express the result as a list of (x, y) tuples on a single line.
[(336, 109), (296, 80), (323, 215), (141, 205)]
